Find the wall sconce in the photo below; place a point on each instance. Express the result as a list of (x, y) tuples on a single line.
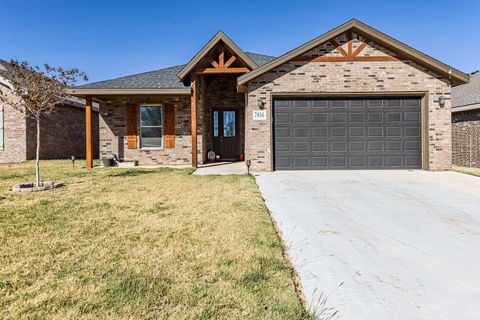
[(441, 101), (261, 104)]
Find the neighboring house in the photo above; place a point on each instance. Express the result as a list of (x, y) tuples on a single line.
[(466, 123), (62, 132), (353, 98)]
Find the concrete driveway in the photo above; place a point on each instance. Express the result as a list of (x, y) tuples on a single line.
[(382, 244)]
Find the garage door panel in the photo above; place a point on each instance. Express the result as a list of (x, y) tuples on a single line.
[(319, 132), (282, 118), (375, 131), (282, 132), (300, 132), (353, 133), (338, 132), (301, 146), (338, 146), (301, 118), (319, 146), (338, 117)]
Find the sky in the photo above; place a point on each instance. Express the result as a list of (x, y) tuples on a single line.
[(109, 39)]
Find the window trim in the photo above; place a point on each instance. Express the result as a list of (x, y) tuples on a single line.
[(162, 113)]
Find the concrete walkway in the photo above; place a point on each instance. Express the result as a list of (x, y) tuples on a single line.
[(382, 244), (222, 168)]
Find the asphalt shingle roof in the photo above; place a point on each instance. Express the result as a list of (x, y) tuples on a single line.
[(467, 94), (159, 79)]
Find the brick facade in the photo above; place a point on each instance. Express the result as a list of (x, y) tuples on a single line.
[(113, 132), (14, 136), (220, 92), (466, 138), (62, 135), (349, 77)]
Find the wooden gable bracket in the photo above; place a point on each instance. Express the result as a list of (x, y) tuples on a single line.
[(221, 66), (348, 55)]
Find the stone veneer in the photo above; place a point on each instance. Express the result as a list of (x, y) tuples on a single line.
[(466, 138), (113, 132), (380, 77)]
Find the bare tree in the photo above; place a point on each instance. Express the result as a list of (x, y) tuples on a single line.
[(36, 91)]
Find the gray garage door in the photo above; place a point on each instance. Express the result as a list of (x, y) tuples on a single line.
[(351, 133)]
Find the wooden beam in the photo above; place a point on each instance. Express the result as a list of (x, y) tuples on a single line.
[(215, 64), (350, 42), (230, 61), (359, 49), (193, 116), (222, 70), (88, 133), (338, 47), (345, 59), (221, 58)]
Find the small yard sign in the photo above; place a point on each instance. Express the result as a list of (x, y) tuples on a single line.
[(259, 114)]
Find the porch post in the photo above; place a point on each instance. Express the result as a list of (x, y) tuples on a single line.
[(193, 99), (88, 133)]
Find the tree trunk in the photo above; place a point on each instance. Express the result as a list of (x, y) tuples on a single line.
[(37, 156)]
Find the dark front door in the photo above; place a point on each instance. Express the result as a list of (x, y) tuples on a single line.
[(225, 133)]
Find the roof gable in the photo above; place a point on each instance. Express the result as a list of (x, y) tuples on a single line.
[(218, 38), (391, 46)]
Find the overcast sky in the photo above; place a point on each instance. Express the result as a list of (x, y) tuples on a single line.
[(108, 39)]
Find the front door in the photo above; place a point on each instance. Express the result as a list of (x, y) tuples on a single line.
[(225, 133)]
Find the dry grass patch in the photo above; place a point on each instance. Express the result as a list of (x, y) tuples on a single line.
[(466, 170), (142, 243)]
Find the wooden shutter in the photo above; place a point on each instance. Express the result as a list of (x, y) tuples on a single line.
[(169, 126), (132, 127)]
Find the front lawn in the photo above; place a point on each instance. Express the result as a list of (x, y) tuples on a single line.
[(139, 243), (470, 171)]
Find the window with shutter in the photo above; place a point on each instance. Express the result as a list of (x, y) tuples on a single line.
[(151, 126)]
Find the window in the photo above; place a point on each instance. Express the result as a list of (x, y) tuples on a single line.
[(215, 124), (151, 123), (1, 127), (229, 123)]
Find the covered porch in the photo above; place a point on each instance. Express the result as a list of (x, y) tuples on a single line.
[(200, 119)]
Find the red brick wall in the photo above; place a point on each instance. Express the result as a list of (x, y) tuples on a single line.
[(14, 143), (62, 134)]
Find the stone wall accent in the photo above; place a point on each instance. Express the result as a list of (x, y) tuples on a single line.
[(14, 136), (380, 77), (466, 138), (113, 132)]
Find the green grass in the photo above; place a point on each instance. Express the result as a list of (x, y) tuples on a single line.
[(139, 244), (470, 171)]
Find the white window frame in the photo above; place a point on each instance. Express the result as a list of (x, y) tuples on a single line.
[(162, 126)]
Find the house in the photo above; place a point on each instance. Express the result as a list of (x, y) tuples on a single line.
[(352, 98), (62, 132), (466, 123)]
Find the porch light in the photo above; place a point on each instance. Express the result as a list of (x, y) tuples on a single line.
[(441, 101), (261, 103)]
